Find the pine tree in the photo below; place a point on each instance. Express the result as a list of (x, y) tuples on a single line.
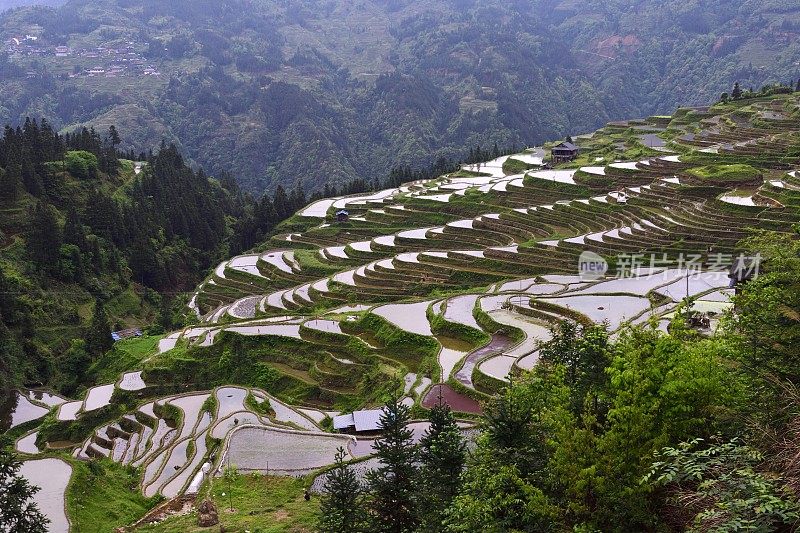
[(737, 91), (74, 232), (442, 452), (797, 87), (392, 484), (342, 506), (44, 239), (98, 338), (113, 136), (10, 185), (17, 512)]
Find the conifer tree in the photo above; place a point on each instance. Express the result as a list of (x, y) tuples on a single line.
[(392, 484), (342, 506), (74, 232), (737, 91), (98, 338), (44, 238), (442, 453), (10, 185), (17, 512)]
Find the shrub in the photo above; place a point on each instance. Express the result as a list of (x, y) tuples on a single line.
[(81, 164), (725, 174)]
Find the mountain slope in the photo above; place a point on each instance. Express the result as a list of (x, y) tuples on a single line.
[(326, 91)]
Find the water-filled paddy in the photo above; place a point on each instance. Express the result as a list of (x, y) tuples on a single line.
[(20, 410), (328, 326), (283, 330), (27, 444), (614, 309), (271, 449), (46, 398), (132, 381), (459, 310), (498, 344), (98, 397), (52, 476), (410, 317), (69, 411), (498, 366)]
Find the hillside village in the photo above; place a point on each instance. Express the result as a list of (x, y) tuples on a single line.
[(102, 61)]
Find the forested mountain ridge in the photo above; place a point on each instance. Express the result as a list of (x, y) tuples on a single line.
[(91, 239), (313, 92)]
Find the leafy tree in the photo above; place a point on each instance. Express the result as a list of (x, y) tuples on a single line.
[(718, 487), (768, 321), (73, 366), (584, 353), (496, 498), (17, 513), (71, 263), (342, 507), (98, 338), (511, 431), (391, 485), (661, 392), (113, 136), (81, 164), (442, 454)]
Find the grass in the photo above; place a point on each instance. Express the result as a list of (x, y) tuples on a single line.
[(126, 355), (725, 173), (261, 504), (515, 166), (104, 495)]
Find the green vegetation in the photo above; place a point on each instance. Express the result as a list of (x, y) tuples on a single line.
[(726, 174), (515, 166), (103, 495), (127, 354), (81, 164), (645, 432), (629, 429), (260, 503), (88, 247)]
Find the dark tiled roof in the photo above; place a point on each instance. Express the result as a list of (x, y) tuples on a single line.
[(566, 146)]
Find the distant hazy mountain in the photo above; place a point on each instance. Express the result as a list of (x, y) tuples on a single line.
[(8, 4), (311, 91)]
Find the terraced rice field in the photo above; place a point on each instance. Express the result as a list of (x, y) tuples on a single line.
[(425, 273)]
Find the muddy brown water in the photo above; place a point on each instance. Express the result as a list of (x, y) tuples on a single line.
[(499, 344), (456, 400)]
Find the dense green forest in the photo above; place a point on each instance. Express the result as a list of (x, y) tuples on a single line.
[(92, 241), (313, 92)]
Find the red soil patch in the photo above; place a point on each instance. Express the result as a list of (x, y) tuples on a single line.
[(612, 45), (456, 400)]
